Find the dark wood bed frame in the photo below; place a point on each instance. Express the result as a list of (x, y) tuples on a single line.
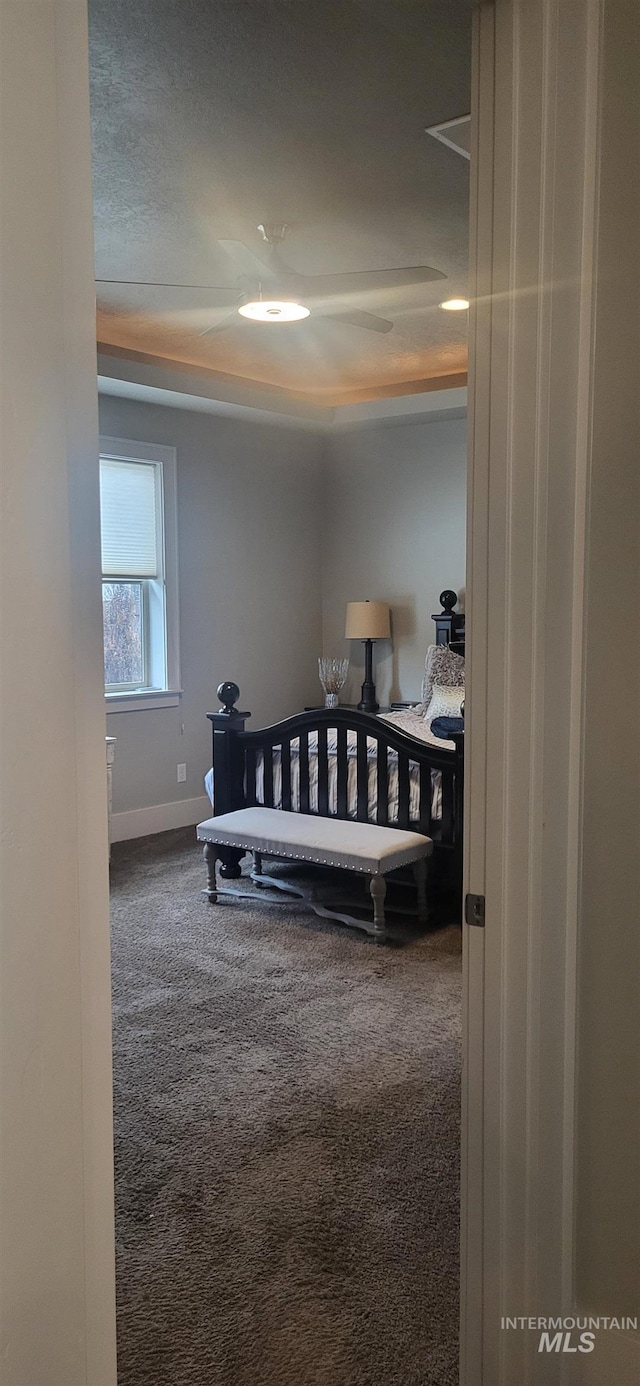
[(236, 752)]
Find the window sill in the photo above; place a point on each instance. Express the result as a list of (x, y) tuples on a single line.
[(133, 702)]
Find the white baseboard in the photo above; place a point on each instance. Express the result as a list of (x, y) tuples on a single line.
[(159, 818)]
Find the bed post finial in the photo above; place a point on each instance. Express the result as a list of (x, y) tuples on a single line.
[(449, 624), (228, 693), (228, 766)]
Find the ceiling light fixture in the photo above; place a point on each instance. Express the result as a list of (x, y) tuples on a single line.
[(455, 305), (273, 310)]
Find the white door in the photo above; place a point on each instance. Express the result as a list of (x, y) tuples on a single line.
[(551, 1222)]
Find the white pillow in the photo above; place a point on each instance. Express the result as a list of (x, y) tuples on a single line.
[(445, 702), (443, 668)]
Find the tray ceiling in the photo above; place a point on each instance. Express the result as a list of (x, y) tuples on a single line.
[(211, 116)]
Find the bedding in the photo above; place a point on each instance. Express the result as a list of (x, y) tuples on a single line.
[(445, 727), (409, 721)]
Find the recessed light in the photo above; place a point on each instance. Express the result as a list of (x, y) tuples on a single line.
[(455, 305), (273, 310)]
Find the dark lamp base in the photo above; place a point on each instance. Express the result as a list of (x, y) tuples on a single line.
[(368, 699)]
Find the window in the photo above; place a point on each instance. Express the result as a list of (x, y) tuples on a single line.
[(139, 574)]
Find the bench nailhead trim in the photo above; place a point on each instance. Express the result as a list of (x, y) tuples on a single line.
[(295, 856)]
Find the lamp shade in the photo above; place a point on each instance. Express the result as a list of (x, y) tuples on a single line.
[(367, 621)]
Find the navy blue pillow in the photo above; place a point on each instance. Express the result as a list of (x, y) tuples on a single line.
[(444, 726)]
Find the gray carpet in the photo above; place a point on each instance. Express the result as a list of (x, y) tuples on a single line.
[(287, 1129)]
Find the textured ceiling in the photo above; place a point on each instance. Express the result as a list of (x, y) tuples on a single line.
[(210, 116)]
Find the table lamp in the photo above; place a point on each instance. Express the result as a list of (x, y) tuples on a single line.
[(368, 621)]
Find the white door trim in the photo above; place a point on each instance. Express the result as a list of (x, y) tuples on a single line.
[(57, 1258), (537, 107), (479, 383)]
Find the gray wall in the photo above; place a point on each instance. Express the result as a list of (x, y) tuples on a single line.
[(277, 530), (394, 530), (250, 587)]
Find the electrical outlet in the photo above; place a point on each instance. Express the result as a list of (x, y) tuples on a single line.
[(182, 774)]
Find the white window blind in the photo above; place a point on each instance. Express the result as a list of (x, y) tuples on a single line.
[(129, 519)]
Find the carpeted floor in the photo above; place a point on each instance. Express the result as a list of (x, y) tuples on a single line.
[(287, 1131)]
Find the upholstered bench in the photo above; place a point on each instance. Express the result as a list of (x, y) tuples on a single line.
[(363, 847)]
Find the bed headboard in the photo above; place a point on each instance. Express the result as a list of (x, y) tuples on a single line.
[(449, 624)]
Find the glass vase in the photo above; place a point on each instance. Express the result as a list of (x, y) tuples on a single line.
[(332, 674)]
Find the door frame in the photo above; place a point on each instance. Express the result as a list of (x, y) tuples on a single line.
[(544, 79), (57, 1242)]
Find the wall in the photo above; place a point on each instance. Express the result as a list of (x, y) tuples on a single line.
[(57, 1291), (394, 530), (250, 595)]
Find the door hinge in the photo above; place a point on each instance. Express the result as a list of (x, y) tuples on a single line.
[(474, 910)]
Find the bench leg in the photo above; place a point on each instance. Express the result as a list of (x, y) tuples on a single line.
[(378, 890), (257, 866), (210, 854), (420, 869)]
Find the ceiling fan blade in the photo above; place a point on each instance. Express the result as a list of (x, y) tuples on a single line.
[(224, 294), (353, 281), (354, 318), (220, 326), (246, 262)]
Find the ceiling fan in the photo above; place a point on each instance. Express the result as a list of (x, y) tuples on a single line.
[(267, 290)]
